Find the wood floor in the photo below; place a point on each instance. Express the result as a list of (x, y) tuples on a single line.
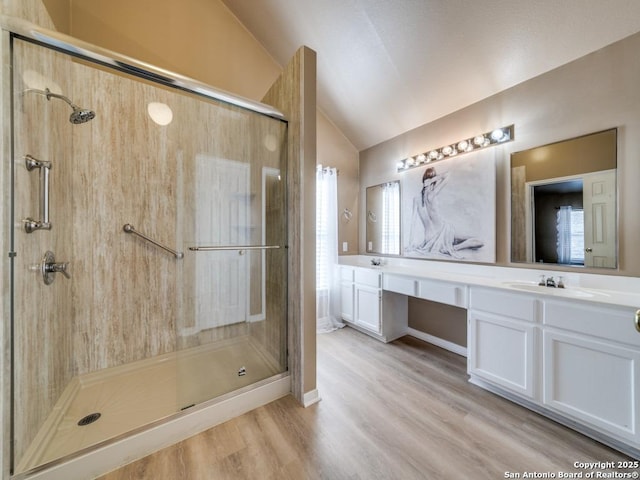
[(398, 411)]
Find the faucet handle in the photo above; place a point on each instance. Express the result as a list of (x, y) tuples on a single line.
[(542, 281), (49, 267), (560, 283), (59, 268)]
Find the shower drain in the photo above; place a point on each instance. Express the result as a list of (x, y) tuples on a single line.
[(92, 417)]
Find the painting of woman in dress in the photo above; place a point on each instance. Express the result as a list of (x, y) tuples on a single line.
[(452, 214)]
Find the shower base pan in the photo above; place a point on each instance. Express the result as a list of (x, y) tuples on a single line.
[(102, 405)]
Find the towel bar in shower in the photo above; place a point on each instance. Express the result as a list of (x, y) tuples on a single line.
[(31, 225), (128, 228), (233, 247)]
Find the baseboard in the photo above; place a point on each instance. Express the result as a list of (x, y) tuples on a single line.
[(310, 398), (439, 342), (140, 444)]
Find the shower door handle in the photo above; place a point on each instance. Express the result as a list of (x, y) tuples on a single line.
[(31, 225), (233, 247)]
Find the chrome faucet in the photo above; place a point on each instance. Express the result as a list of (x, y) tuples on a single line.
[(550, 282)]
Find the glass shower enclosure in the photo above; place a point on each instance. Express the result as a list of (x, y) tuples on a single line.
[(149, 259)]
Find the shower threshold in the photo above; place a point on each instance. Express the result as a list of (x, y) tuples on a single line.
[(101, 405)]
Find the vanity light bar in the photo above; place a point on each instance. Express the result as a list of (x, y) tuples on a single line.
[(478, 142)]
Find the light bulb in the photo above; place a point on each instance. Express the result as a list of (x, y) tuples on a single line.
[(497, 135), (478, 140)]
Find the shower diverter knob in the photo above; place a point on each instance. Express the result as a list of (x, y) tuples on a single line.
[(49, 268)]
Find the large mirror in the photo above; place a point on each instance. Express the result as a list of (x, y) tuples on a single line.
[(383, 218), (563, 202)]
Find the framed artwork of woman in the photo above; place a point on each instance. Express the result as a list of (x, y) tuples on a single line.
[(449, 209)]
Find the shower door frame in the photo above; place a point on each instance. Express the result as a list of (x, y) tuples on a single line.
[(163, 432)]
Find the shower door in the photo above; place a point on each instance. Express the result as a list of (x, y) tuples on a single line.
[(119, 328)]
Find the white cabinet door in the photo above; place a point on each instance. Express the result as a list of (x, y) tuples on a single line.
[(367, 300), (594, 381), (501, 351), (346, 301)]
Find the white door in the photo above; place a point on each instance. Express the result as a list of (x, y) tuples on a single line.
[(599, 203), (222, 218)]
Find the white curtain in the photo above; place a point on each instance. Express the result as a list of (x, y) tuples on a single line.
[(563, 227), (326, 248)]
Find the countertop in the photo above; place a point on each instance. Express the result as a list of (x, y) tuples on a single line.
[(581, 287)]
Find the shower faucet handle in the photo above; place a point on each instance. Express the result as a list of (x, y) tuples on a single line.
[(59, 268), (49, 268)]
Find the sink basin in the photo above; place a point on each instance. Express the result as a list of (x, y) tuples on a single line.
[(570, 292)]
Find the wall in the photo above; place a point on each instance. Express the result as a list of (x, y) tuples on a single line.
[(197, 38), (334, 150), (294, 93), (438, 319), (593, 93)]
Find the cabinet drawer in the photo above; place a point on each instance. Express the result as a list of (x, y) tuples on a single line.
[(368, 277), (522, 307), (602, 322), (346, 274), (443, 292), (398, 284)]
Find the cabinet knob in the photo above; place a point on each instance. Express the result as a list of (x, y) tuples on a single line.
[(638, 320)]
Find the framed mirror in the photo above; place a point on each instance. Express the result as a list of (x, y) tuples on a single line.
[(383, 218), (564, 202)]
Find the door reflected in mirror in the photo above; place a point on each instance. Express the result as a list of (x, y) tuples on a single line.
[(563, 202), (383, 218)]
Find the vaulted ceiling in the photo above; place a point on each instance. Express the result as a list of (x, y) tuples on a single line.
[(388, 66)]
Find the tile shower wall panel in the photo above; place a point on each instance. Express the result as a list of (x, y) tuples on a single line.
[(126, 172)]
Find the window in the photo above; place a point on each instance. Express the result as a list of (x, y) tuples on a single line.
[(570, 229), (391, 218)]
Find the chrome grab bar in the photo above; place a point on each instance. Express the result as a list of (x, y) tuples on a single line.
[(31, 225), (128, 228), (234, 247)]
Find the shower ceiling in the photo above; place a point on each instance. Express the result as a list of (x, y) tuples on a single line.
[(388, 66)]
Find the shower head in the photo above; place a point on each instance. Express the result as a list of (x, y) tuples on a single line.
[(79, 115)]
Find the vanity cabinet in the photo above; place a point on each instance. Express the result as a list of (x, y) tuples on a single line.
[(370, 309), (501, 336), (577, 362), (567, 354), (591, 367)]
